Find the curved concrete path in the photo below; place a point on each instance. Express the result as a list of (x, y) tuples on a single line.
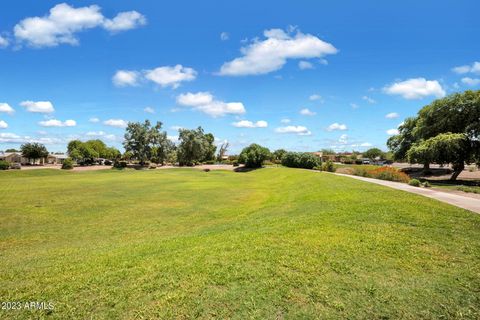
[(468, 203)]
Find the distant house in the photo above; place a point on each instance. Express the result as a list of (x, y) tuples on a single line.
[(16, 157), (56, 158), (13, 157)]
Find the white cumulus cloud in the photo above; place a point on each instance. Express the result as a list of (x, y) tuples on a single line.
[(149, 110), (473, 68), (368, 99), (38, 106), (4, 42), (118, 123), (337, 126), (271, 54), (304, 65), (392, 132), (224, 36), (94, 120), (171, 76), (299, 130), (315, 97), (285, 121), (6, 108), (63, 22), (392, 115), (206, 103), (416, 88), (250, 124), (470, 81), (307, 112), (3, 124), (125, 21), (123, 78), (57, 123), (101, 134)]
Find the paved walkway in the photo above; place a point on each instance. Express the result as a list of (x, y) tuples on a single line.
[(468, 203)]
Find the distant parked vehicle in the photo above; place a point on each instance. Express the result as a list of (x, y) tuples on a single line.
[(16, 166), (365, 161)]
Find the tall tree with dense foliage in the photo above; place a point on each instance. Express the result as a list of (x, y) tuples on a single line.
[(254, 155), (195, 146), (33, 151), (373, 153), (146, 142), (445, 131), (86, 152), (278, 154), (400, 143), (454, 148)]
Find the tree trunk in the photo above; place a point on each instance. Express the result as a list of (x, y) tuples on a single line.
[(426, 166), (457, 169)]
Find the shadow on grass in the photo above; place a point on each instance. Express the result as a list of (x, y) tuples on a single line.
[(245, 169)]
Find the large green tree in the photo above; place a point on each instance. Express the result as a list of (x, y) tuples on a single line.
[(33, 151), (400, 143), (373, 153), (86, 152), (254, 155), (146, 142), (195, 146), (454, 148), (458, 113)]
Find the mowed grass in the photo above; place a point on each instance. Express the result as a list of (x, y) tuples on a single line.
[(268, 244)]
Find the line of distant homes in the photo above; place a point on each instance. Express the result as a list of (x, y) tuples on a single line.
[(16, 157), (348, 156)]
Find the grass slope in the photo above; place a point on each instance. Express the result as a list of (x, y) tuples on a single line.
[(268, 244)]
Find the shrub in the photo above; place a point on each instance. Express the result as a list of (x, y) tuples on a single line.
[(254, 155), (210, 162), (301, 160), (235, 163), (4, 165), (107, 162), (388, 173), (67, 164), (120, 164), (426, 184), (206, 170), (318, 168), (415, 183), (328, 166)]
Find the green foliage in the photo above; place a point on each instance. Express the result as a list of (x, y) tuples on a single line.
[(12, 150), (195, 146), (145, 142), (373, 153), (86, 152), (278, 154), (67, 164), (454, 148), (426, 184), (459, 114), (120, 164), (4, 165), (34, 151), (304, 160), (401, 143), (415, 183), (254, 155), (328, 166)]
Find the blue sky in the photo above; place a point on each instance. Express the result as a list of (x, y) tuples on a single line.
[(302, 75)]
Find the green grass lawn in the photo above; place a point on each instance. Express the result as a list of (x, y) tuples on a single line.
[(268, 244)]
